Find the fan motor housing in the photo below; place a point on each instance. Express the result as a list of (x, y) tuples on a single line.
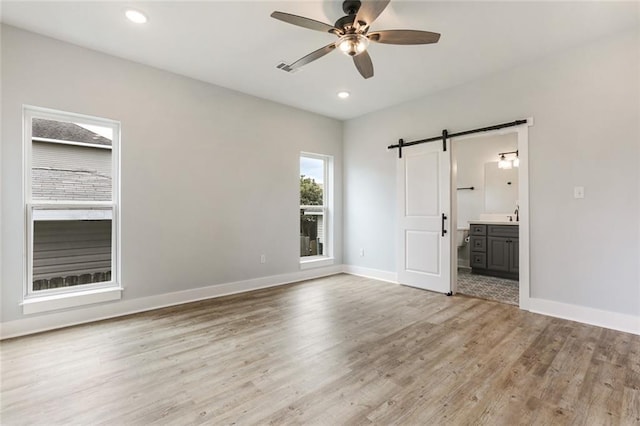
[(351, 7), (345, 23)]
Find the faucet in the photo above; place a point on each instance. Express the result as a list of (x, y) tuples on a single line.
[(517, 213)]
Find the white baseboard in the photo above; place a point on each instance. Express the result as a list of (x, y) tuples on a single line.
[(60, 319), (600, 318), (375, 274)]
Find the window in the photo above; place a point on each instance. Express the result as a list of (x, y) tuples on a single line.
[(71, 198), (315, 209)]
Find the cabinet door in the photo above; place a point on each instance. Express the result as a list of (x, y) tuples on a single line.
[(498, 253), (479, 244), (478, 260), (477, 229), (514, 255)]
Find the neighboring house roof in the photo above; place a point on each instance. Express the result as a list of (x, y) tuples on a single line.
[(69, 185), (68, 172), (60, 130)]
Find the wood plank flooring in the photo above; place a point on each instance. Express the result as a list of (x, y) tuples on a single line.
[(337, 350)]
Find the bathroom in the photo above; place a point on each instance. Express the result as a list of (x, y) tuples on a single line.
[(486, 171)]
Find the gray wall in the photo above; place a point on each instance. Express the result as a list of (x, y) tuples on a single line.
[(585, 103), (203, 168)]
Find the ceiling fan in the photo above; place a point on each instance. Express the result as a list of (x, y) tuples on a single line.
[(353, 34)]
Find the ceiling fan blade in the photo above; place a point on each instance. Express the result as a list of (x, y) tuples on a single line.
[(364, 64), (317, 54), (370, 10), (404, 37), (301, 21)]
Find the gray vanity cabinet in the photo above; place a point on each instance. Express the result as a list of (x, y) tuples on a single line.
[(514, 256), (498, 254), (478, 243), (494, 250)]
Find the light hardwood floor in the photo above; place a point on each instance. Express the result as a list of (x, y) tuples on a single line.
[(338, 350)]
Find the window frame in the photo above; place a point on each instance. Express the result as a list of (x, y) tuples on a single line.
[(63, 297), (326, 259)]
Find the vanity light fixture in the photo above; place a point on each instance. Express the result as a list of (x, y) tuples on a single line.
[(136, 16), (505, 163)]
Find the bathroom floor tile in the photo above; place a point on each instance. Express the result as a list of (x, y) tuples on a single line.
[(491, 288)]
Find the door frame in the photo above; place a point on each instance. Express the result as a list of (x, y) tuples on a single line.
[(522, 132)]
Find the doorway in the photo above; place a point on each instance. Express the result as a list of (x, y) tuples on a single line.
[(489, 212), (427, 182)]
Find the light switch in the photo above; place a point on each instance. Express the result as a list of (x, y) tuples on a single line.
[(578, 192)]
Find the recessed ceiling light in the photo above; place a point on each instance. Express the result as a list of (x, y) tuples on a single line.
[(136, 16), (343, 95)]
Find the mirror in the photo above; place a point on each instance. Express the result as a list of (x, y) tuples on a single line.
[(500, 189)]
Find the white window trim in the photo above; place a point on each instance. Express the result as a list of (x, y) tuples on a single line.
[(64, 211), (54, 302), (327, 259), (66, 297), (310, 262)]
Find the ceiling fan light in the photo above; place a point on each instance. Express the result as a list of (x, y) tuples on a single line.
[(344, 45), (362, 45), (353, 44)]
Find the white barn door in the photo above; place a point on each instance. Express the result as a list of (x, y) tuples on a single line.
[(423, 208)]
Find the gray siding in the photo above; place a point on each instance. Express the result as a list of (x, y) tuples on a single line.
[(71, 157), (69, 172), (71, 252)]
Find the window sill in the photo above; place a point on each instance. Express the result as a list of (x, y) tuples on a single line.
[(37, 304), (316, 262)]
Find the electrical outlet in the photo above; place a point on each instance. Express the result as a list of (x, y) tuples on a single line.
[(578, 192), (361, 252), (263, 258)]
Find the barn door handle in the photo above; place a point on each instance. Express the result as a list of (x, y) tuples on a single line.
[(444, 217)]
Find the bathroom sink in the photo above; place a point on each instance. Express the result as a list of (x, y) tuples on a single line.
[(494, 222), (497, 219)]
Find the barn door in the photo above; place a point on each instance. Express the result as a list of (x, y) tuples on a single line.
[(423, 206)]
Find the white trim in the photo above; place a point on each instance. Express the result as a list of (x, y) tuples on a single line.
[(327, 204), (98, 213), (65, 204), (311, 262), (28, 114), (375, 274), (522, 132), (59, 141), (35, 324), (68, 318), (73, 117), (607, 319), (56, 302), (524, 284)]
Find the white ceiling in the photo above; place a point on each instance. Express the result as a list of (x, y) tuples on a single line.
[(236, 44)]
